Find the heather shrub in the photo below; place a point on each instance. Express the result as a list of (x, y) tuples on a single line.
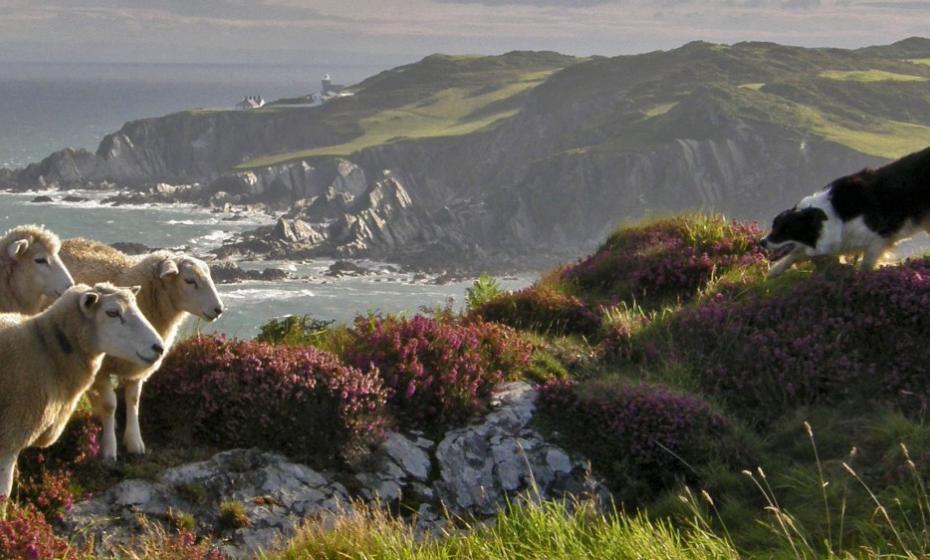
[(641, 438), (51, 493), (45, 479), (79, 443), (25, 534), (544, 308), (436, 371), (297, 400), (861, 337), (672, 258)]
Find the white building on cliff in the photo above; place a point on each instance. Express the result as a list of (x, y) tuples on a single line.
[(328, 91), (251, 102)]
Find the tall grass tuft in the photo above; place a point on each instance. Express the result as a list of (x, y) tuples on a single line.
[(539, 531)]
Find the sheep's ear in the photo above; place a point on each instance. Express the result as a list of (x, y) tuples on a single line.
[(135, 290), (88, 301), (167, 268), (17, 249)]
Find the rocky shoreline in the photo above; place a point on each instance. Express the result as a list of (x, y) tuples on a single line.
[(374, 227)]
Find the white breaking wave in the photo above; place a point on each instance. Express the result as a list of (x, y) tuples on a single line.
[(265, 294)]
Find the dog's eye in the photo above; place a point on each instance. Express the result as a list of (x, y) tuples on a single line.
[(41, 260), (113, 314)]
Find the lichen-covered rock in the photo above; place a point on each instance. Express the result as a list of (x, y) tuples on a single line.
[(473, 470), (483, 465), (275, 493)]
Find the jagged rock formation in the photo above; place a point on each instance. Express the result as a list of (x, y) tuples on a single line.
[(473, 470)]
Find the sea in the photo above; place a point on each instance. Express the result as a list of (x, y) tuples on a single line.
[(46, 107)]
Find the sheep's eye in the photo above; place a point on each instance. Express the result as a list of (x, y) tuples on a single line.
[(191, 282), (113, 314), (41, 260)]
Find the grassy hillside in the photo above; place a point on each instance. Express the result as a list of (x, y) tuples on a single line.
[(439, 96), (874, 100), (453, 111), (797, 405)]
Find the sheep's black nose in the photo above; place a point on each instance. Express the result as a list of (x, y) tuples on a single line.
[(158, 349), (219, 311)]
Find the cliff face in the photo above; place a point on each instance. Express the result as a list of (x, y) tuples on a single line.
[(452, 160), (184, 147)]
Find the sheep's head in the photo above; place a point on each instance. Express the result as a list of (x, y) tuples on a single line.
[(36, 270), (191, 286), (119, 327)]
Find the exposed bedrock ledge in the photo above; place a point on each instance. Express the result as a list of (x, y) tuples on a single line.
[(471, 471)]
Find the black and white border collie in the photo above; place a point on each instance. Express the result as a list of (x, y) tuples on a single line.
[(866, 214)]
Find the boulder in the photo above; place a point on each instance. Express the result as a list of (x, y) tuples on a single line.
[(346, 268), (295, 231), (277, 496), (484, 465)]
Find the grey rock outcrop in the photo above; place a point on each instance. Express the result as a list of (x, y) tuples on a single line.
[(473, 470), (483, 465), (476, 469), (275, 494)]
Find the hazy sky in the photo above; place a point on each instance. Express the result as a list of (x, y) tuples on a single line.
[(394, 31)]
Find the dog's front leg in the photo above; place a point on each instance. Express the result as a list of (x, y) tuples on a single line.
[(784, 264), (871, 256)]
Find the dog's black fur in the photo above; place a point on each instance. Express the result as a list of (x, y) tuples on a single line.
[(864, 213)]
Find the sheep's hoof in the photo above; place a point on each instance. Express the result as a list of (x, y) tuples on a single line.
[(136, 449)]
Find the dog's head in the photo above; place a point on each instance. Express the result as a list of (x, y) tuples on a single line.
[(795, 226)]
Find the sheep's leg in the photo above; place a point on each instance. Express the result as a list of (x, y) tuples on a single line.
[(103, 399), (132, 437), (7, 468)]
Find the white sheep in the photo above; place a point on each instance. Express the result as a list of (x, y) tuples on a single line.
[(47, 361), (172, 285), (30, 269)]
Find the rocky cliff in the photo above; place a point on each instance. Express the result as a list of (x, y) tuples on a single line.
[(492, 158)]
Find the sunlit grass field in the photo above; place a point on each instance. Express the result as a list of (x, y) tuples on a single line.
[(451, 112), (870, 76)]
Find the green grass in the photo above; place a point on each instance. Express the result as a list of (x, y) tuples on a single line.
[(547, 531), (451, 112), (870, 76), (887, 139), (924, 61), (874, 136), (753, 85)]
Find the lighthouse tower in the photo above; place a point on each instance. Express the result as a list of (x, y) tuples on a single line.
[(327, 83)]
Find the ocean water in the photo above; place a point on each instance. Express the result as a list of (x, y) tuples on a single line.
[(47, 107), (249, 304)]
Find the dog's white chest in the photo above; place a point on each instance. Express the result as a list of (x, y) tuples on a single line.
[(857, 236)]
